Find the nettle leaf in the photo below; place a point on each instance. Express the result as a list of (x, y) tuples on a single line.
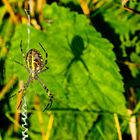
[(82, 74), (88, 63), (120, 20)]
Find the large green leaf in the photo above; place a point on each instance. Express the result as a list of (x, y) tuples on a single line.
[(88, 59), (82, 74)]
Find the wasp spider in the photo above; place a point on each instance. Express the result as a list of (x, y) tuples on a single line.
[(35, 65)]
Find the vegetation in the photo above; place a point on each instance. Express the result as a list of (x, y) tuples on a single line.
[(93, 69)]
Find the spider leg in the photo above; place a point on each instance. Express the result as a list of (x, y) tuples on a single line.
[(22, 49), (46, 68), (23, 89), (50, 96), (45, 53), (26, 85), (49, 104), (19, 63)]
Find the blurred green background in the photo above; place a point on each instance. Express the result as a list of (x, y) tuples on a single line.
[(94, 69)]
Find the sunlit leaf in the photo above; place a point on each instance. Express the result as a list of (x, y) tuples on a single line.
[(82, 74)]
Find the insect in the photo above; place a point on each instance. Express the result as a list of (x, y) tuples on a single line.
[(35, 65)]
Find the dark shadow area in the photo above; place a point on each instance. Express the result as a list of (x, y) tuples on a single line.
[(1, 4), (4, 107), (4, 123), (126, 136), (71, 5), (77, 48), (52, 1), (109, 33), (4, 102), (129, 80)]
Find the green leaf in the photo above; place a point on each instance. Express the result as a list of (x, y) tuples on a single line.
[(137, 108), (120, 20), (101, 129), (88, 59), (82, 74), (75, 124)]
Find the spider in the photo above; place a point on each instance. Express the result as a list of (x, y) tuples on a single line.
[(35, 65)]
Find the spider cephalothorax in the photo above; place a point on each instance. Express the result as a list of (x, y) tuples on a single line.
[(34, 65)]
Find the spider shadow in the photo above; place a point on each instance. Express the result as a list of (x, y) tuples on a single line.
[(77, 47)]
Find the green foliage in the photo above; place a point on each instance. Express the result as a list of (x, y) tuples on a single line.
[(126, 26), (71, 69), (83, 75), (2, 11)]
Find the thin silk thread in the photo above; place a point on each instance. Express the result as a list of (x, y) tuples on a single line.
[(24, 106), (24, 119)]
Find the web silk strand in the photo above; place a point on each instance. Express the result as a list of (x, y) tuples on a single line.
[(24, 116)]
